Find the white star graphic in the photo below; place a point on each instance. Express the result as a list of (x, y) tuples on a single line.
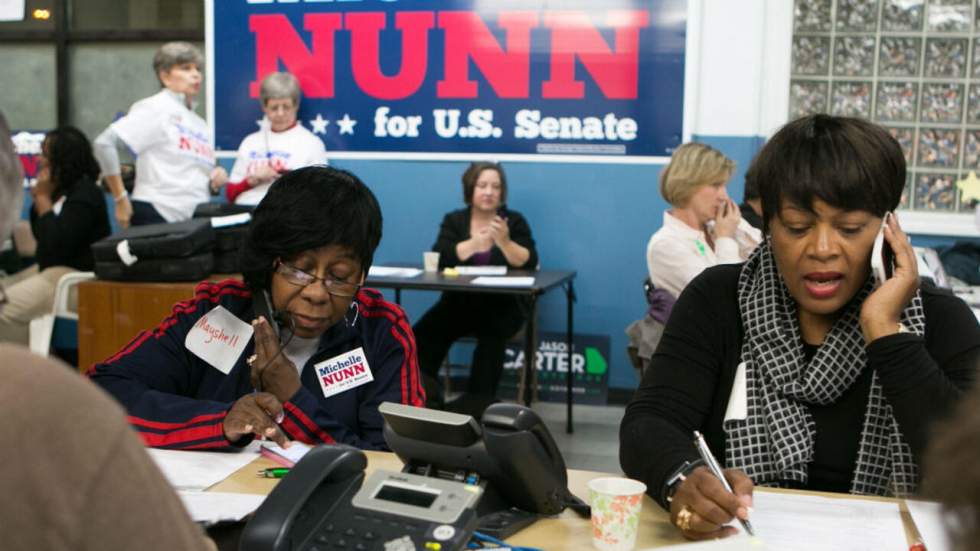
[(346, 124), (319, 124)]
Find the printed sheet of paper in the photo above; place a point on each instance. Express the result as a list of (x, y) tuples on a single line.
[(504, 281), (928, 518), (482, 270), (393, 271), (198, 470), (788, 521), (214, 507), (796, 522)]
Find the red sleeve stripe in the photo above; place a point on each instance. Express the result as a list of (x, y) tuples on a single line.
[(295, 432), (184, 438), (307, 423), (373, 299), (207, 418), (412, 392)]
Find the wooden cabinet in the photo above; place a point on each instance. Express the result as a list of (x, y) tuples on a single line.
[(112, 313)]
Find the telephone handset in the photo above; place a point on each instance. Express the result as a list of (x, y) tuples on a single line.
[(263, 307), (882, 255), (511, 452), (325, 501)]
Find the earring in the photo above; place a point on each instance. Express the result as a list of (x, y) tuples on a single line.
[(357, 311)]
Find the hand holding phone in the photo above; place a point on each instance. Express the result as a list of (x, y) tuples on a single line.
[(882, 255)]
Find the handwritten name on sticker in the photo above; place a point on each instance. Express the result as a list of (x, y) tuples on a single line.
[(344, 372), (219, 338)]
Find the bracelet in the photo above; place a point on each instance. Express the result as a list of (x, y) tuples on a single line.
[(119, 198)]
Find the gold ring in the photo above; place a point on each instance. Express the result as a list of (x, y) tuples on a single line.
[(684, 518)]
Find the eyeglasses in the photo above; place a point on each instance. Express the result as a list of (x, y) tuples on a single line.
[(300, 278)]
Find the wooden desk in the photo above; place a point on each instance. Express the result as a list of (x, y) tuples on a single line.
[(566, 531), (112, 313)]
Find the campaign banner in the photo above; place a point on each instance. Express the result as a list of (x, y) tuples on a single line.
[(397, 78), (590, 368)]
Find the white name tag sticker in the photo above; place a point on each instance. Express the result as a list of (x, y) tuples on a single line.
[(738, 401), (219, 338), (344, 372)]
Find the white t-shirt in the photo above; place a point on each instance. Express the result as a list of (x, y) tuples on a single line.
[(175, 156), (677, 253), (286, 150)]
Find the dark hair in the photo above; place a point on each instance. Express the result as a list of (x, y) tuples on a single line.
[(848, 163), (472, 174), (70, 157), (306, 209), (751, 189)]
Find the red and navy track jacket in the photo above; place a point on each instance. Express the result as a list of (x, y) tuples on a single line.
[(177, 400)]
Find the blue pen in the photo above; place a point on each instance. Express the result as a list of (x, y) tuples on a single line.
[(712, 464)]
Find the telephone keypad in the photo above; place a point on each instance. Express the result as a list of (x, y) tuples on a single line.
[(362, 532)]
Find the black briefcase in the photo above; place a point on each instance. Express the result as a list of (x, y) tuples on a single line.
[(156, 241), (190, 268)]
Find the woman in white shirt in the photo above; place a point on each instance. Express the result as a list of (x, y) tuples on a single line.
[(703, 227), (279, 146), (175, 165)]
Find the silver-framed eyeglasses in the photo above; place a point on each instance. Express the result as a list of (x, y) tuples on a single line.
[(335, 287)]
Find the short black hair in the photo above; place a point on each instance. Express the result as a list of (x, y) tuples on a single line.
[(472, 174), (70, 157), (848, 163), (307, 209)]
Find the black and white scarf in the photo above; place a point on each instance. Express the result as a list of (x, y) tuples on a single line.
[(774, 443)]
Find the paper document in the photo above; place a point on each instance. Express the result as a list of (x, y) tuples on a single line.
[(393, 271), (287, 457), (481, 270), (197, 470), (928, 518), (214, 507), (733, 543), (788, 521), (514, 281)]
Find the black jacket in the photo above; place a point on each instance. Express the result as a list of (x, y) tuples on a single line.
[(65, 239)]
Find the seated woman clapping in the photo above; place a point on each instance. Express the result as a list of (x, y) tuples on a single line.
[(801, 368)]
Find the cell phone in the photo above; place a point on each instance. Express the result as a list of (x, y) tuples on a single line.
[(502, 212), (882, 255), (263, 307)]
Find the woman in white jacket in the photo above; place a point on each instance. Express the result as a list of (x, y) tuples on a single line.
[(703, 227)]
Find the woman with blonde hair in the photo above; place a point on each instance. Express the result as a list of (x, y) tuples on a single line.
[(703, 227)]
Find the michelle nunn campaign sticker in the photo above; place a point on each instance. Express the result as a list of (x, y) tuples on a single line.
[(344, 372), (219, 338)]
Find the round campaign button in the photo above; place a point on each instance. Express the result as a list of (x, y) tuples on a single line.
[(443, 532)]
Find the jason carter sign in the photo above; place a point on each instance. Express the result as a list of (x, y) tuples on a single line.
[(529, 77)]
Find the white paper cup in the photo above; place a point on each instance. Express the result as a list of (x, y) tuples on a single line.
[(430, 261), (616, 504)]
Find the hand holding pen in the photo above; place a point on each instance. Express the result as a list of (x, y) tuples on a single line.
[(704, 503)]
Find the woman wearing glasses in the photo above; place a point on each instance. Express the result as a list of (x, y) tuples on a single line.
[(219, 371)]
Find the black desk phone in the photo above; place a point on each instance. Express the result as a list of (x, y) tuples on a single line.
[(459, 476), (326, 503)]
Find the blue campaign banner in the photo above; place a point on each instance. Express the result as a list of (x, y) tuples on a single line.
[(397, 77)]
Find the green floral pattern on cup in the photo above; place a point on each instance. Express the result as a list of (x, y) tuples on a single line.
[(614, 520)]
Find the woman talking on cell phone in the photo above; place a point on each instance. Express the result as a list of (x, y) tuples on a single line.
[(703, 226), (798, 366), (298, 351)]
